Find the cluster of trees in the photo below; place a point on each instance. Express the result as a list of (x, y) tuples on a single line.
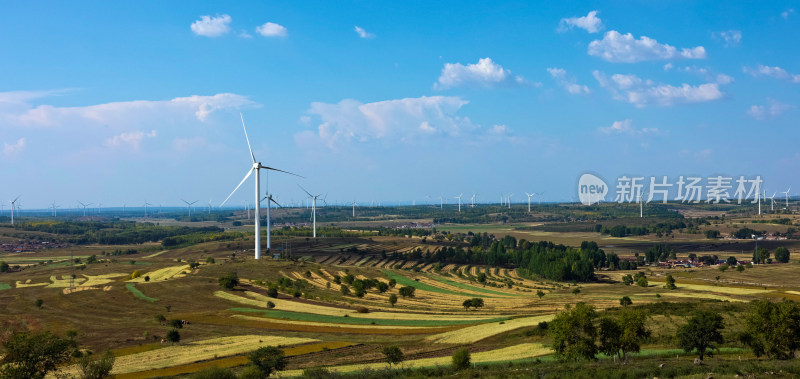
[(762, 255), (112, 232), (34, 355), (579, 333), (361, 286), (475, 302), (199, 237)]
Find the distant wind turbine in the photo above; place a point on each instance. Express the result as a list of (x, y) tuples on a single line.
[(772, 202), (787, 196), (530, 195), (269, 230), (189, 205), (256, 167), (313, 208), (459, 201), (84, 207), (13, 208)]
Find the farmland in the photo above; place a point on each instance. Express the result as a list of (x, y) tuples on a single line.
[(308, 303)]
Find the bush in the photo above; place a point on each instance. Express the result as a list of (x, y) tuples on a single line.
[(393, 354), (39, 303), (176, 324), (97, 369), (270, 305), (34, 355), (461, 359), (781, 254), (268, 359), (173, 336), (229, 281), (392, 299), (4, 267), (625, 301), (344, 289), (210, 260), (407, 291), (362, 310), (272, 292), (160, 319)]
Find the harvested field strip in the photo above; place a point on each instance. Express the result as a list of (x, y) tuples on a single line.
[(358, 320), (23, 285), (333, 325), (98, 280), (282, 324), (163, 274), (190, 352), (699, 296), (720, 289), (378, 263), (469, 287), (363, 261), (438, 284), (405, 281), (234, 361), (476, 333), (4, 286), (61, 283), (259, 300), (139, 295), (511, 353)]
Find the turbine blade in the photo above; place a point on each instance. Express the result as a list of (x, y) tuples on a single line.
[(250, 171), (304, 190), (276, 203), (275, 169), (247, 138)]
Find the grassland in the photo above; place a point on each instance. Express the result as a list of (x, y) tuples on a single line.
[(138, 294)]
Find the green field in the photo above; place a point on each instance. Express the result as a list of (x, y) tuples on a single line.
[(405, 281), (139, 295), (469, 287)]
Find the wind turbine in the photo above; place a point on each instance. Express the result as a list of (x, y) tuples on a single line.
[(787, 197), (459, 201), (146, 204), (84, 207), (473, 200), (509, 200), (313, 208), (209, 206), (530, 195), (256, 167), (13, 208), (641, 205), (189, 205), (354, 208), (54, 207), (269, 206), (772, 202)]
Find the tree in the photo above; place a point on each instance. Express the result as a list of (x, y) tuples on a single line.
[(574, 333), (732, 261), (272, 292), (173, 336), (210, 260), (160, 319), (214, 373), (39, 303), (642, 281), (229, 281), (633, 324), (540, 293), (393, 355), (701, 333), (782, 254), (609, 337), (627, 279), (30, 355), (96, 369), (773, 329), (268, 359), (344, 289), (4, 266), (392, 299), (392, 283), (407, 291), (670, 282), (625, 301), (461, 359)]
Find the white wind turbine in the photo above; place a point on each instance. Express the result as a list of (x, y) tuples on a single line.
[(209, 206), (84, 207), (13, 208), (54, 207), (459, 201), (269, 230), (313, 208), (509, 201), (145, 205), (787, 196), (354, 209), (189, 205), (256, 167), (472, 199), (772, 202), (530, 195)]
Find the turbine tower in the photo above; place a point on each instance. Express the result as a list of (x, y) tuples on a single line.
[(256, 167), (13, 208), (772, 202), (269, 230), (472, 199), (459, 201), (509, 201), (354, 209), (146, 204), (530, 195), (313, 208)]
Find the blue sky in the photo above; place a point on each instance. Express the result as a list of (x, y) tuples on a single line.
[(392, 101)]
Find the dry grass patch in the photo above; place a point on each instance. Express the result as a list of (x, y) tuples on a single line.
[(163, 274), (476, 333)]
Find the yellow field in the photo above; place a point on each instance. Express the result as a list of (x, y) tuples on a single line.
[(333, 325), (699, 296), (163, 274), (199, 350), (99, 280), (720, 289), (476, 333), (521, 351)]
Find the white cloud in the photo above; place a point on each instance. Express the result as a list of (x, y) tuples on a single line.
[(775, 72), (591, 23), (668, 66), (706, 74), (403, 119), (132, 139), (498, 130), (485, 73), (208, 26), (616, 47), (245, 34), (641, 93), (271, 29), (730, 37), (124, 113), (363, 33), (568, 82), (184, 145), (785, 14), (766, 112), (14, 148), (626, 127)]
